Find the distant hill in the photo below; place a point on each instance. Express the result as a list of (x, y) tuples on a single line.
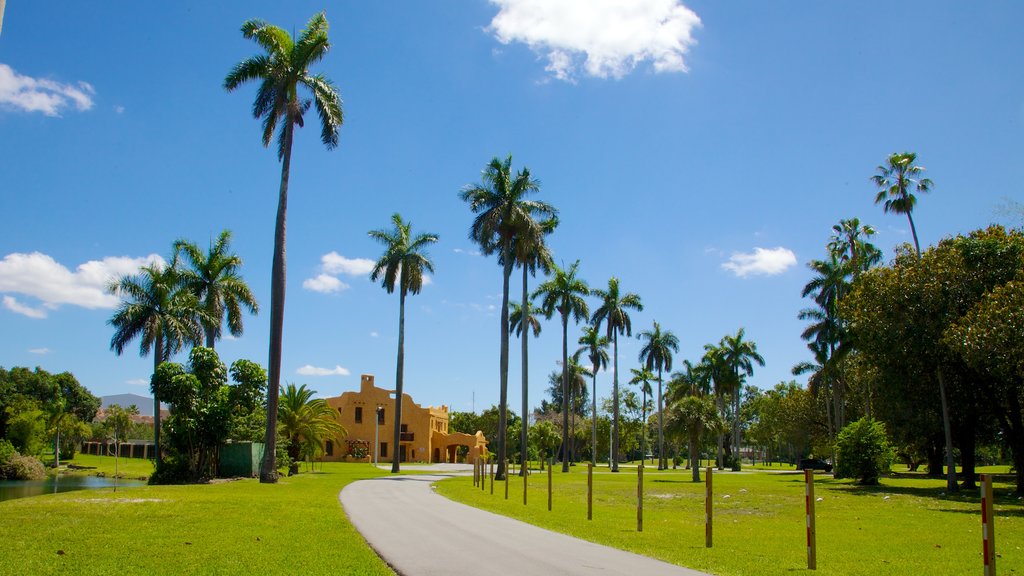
[(143, 403)]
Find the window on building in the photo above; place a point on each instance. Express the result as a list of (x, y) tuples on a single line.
[(380, 415), (405, 427), (359, 414), (383, 449)]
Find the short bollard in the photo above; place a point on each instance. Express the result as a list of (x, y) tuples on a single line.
[(708, 506), (988, 529), (551, 465), (506, 479), (492, 477), (476, 471), (812, 550), (526, 469), (483, 475), (640, 497), (590, 490)]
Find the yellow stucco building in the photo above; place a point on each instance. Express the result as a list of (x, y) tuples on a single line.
[(424, 437)]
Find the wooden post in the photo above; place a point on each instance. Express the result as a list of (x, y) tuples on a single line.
[(476, 468), (988, 528), (812, 549), (640, 497), (708, 506), (551, 464), (506, 479), (590, 490), (492, 476)]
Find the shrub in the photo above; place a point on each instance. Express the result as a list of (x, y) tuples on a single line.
[(20, 467), (863, 451), (6, 451)]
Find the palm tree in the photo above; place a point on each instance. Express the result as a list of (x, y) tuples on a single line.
[(595, 346), (614, 310), (657, 354), (280, 71), (897, 180), (504, 213), (404, 260), (164, 317), (531, 253), (642, 378), (305, 421), (851, 243), (739, 356), (214, 279), (520, 323), (720, 378), (691, 416), (565, 293), (577, 387)]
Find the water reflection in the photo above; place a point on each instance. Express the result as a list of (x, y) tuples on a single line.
[(11, 489)]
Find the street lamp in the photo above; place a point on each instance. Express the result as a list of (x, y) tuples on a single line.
[(376, 444)]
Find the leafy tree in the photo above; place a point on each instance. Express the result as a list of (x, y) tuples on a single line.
[(403, 262), (503, 214), (642, 378), (564, 293), (718, 373), (26, 426), (118, 422), (595, 346), (545, 436), (280, 71), (739, 356), (214, 280), (306, 421), (863, 451), (690, 417), (656, 354), (247, 396), (614, 312), (897, 180)]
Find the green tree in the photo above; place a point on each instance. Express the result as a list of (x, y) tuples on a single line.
[(280, 71), (642, 379), (215, 280), (739, 356), (522, 322), (897, 180), (614, 313), (163, 316), (403, 263), (247, 396), (863, 451), (544, 436), (564, 293), (503, 213), (305, 421), (595, 346), (119, 422), (656, 354), (690, 417)]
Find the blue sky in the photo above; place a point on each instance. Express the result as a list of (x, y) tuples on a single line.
[(700, 153)]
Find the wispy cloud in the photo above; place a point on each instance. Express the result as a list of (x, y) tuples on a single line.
[(324, 284), (760, 262), (609, 37), (310, 370), (40, 351), (137, 382), (374, 334), (40, 276), (28, 94), (468, 252), (332, 265)]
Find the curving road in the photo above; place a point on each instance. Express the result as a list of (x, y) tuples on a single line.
[(419, 533)]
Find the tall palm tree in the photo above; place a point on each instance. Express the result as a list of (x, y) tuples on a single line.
[(740, 356), (305, 420), (564, 293), (503, 213), (164, 317), (691, 416), (531, 253), (280, 71), (614, 311), (403, 262), (897, 180), (214, 279), (657, 354), (720, 378), (851, 243), (595, 346), (577, 387), (524, 323), (642, 378)]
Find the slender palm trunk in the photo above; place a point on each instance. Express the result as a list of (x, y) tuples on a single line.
[(396, 455), (913, 232), (662, 461), (694, 460), (615, 404), (593, 420), (736, 426), (643, 425), (720, 397), (503, 368), (565, 391), (158, 357), (211, 338), (268, 468), (523, 438)]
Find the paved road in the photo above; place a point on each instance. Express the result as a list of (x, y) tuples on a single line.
[(420, 533)]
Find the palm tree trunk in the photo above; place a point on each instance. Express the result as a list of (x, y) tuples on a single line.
[(615, 404), (503, 367), (736, 427), (268, 468), (694, 461), (396, 455), (721, 435), (565, 391), (593, 421), (158, 357), (951, 486), (523, 437), (662, 462), (913, 232)]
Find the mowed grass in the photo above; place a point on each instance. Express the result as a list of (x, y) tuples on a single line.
[(232, 527), (905, 526), (133, 468)]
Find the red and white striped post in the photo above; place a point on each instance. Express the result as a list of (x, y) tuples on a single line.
[(708, 510), (988, 529), (812, 550)]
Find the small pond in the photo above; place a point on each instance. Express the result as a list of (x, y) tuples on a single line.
[(11, 489)]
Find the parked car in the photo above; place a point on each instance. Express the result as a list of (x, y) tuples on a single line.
[(814, 464)]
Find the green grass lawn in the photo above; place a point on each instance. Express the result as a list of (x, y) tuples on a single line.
[(233, 527), (905, 526)]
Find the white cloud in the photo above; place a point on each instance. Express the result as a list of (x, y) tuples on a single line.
[(40, 276), (334, 263), (40, 351), (374, 334), (137, 382), (610, 37), (41, 95), (470, 252), (760, 262), (324, 284), (13, 305), (119, 109), (310, 370)]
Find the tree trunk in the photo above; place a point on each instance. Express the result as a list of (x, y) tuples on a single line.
[(662, 462), (951, 486), (158, 355), (967, 441), (593, 420), (694, 461), (913, 232), (503, 367), (720, 397), (565, 390), (268, 469), (736, 426), (615, 403), (396, 457), (523, 438)]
